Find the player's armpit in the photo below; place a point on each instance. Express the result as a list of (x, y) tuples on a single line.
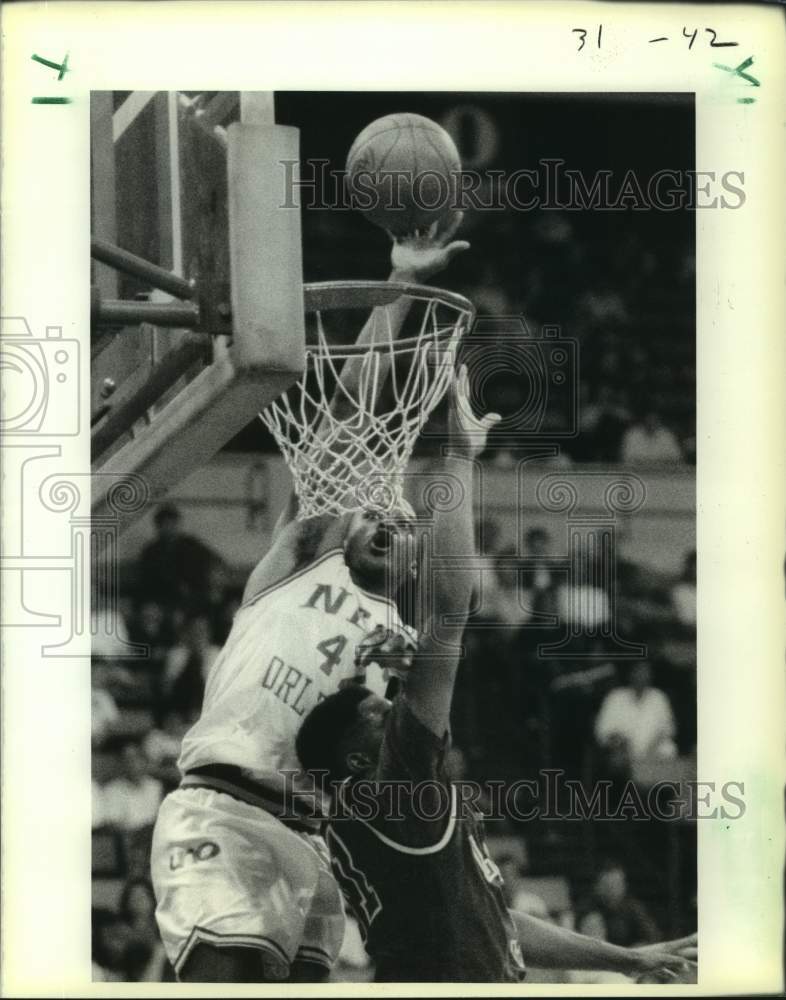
[(430, 682), (411, 750), (298, 544), (287, 515)]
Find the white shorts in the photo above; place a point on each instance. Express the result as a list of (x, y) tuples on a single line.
[(229, 874)]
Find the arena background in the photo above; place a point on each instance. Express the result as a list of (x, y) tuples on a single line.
[(619, 283)]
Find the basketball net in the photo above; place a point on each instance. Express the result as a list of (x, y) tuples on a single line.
[(345, 452)]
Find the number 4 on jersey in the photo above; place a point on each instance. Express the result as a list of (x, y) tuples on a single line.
[(332, 650)]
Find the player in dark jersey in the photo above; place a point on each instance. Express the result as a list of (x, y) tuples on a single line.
[(412, 861)]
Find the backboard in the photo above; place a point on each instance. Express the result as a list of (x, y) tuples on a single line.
[(196, 281)]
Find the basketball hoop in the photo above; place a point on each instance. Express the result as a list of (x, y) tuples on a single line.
[(353, 456)]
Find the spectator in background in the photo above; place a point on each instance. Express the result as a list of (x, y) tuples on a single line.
[(131, 801), (650, 442), (174, 567), (104, 713), (187, 667), (109, 633), (548, 253), (97, 818), (137, 909), (149, 627), (582, 605), (218, 604), (642, 604), (538, 581), (593, 925), (625, 920), (577, 686), (118, 956), (604, 420), (683, 593), (162, 746), (688, 447), (508, 606), (489, 538), (636, 721), (488, 542)]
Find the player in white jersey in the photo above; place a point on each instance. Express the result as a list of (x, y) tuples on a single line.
[(241, 875)]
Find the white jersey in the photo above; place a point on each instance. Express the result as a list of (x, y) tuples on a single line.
[(290, 647)]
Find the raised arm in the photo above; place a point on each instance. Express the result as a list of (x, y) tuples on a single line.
[(446, 593), (414, 258)]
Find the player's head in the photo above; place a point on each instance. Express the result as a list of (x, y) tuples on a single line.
[(341, 736), (640, 676), (133, 761), (379, 549), (167, 520), (537, 541), (611, 884), (137, 900)]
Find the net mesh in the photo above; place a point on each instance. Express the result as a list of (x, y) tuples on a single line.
[(347, 428)]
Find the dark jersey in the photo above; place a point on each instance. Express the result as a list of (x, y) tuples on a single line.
[(414, 869)]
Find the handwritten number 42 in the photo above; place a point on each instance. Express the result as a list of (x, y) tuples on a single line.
[(714, 44)]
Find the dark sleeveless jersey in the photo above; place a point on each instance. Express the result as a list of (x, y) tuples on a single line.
[(413, 867)]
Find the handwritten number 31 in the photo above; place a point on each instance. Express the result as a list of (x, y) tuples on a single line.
[(583, 33)]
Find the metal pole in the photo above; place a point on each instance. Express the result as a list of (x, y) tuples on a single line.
[(201, 118), (117, 312), (129, 263)]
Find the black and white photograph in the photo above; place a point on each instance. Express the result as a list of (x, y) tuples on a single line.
[(396, 535)]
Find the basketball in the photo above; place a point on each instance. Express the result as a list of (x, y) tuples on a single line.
[(402, 172)]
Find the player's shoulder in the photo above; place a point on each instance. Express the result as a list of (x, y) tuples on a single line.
[(398, 814), (264, 585)]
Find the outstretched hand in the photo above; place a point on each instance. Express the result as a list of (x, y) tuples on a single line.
[(425, 252), (667, 961), (467, 432), (685, 947), (391, 649)]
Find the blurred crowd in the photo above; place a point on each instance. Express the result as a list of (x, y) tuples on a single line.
[(621, 291), (527, 701), (628, 305), (149, 667)]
